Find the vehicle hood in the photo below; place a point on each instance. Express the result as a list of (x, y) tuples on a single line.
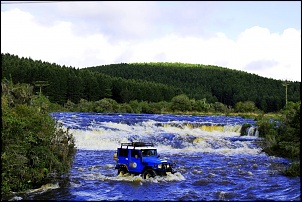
[(153, 160)]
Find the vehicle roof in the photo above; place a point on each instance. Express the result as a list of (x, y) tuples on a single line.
[(138, 148), (141, 145)]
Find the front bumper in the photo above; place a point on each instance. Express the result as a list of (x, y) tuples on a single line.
[(166, 168)]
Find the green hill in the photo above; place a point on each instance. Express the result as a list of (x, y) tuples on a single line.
[(216, 84), (150, 82)]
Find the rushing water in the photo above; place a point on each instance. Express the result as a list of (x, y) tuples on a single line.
[(213, 161)]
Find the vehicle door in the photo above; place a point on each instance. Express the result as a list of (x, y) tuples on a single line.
[(135, 163)]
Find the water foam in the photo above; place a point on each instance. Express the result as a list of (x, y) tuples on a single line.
[(170, 136)]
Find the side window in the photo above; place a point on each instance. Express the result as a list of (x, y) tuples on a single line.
[(144, 152), (149, 152), (134, 152), (123, 152)]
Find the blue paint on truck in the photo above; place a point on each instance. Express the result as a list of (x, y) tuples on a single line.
[(141, 158)]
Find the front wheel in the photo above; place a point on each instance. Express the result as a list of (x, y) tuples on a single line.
[(122, 171), (149, 173)]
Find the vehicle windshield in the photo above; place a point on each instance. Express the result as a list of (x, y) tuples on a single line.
[(149, 152)]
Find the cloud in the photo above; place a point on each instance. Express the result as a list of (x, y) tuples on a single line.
[(62, 41), (278, 55), (260, 65)]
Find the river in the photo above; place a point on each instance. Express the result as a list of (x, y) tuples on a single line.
[(213, 162)]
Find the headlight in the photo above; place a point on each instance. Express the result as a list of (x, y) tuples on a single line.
[(168, 165), (159, 166)]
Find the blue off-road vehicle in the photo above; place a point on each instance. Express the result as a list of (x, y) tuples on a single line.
[(141, 158)]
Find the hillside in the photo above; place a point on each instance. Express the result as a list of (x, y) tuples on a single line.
[(216, 84), (150, 82)]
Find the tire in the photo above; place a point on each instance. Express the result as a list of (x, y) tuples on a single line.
[(122, 171), (149, 173)]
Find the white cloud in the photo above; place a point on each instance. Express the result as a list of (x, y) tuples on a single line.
[(256, 50), (284, 50)]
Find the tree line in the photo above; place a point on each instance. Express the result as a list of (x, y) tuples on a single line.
[(216, 84), (68, 83), (149, 82)]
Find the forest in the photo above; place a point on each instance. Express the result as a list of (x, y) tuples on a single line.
[(216, 84), (150, 82)]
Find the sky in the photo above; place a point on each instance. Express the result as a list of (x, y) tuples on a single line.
[(258, 37)]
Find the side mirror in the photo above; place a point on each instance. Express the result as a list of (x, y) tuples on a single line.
[(158, 156)]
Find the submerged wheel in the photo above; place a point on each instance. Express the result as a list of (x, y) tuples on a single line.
[(149, 173), (122, 171)]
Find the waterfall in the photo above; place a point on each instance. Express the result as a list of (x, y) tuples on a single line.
[(172, 133), (252, 131)]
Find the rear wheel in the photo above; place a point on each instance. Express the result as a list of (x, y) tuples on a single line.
[(149, 173)]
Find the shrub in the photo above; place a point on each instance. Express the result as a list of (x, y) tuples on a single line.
[(293, 170), (34, 148)]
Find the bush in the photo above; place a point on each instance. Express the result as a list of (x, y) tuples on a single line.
[(282, 137), (181, 103), (247, 106), (293, 170), (34, 148)]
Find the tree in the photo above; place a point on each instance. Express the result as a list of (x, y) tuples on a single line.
[(181, 102), (247, 106), (106, 105)]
